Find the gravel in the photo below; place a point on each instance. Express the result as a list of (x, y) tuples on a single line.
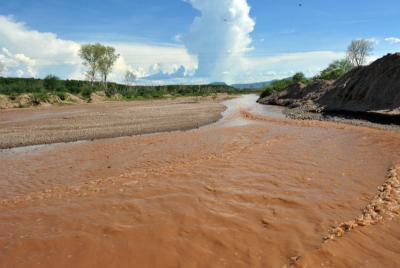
[(24, 127)]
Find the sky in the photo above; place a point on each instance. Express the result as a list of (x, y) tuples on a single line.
[(192, 41)]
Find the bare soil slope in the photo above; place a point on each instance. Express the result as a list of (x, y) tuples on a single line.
[(373, 88)]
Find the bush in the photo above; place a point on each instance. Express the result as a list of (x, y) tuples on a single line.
[(335, 70), (276, 85), (40, 97), (73, 86), (62, 95), (111, 91), (51, 82), (17, 86), (87, 93), (299, 78), (267, 92)]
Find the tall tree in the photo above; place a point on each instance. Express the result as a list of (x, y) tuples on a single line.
[(91, 55), (130, 78), (359, 50), (2, 68), (106, 63)]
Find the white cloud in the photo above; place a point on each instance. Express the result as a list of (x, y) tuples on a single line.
[(215, 48), (34, 49), (393, 40), (178, 38), (46, 48), (373, 40), (219, 37), (142, 58), (30, 53), (18, 64), (261, 68), (285, 65)]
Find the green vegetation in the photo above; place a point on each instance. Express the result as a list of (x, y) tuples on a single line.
[(52, 82), (146, 92), (41, 89), (87, 93), (300, 78), (335, 70), (278, 85), (357, 53), (62, 95), (39, 97), (99, 59), (332, 72)]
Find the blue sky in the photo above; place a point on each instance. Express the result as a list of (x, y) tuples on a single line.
[(283, 31)]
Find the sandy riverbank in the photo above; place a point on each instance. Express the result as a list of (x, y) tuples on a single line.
[(250, 191), (22, 127)]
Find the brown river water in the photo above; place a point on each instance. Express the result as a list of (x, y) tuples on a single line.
[(252, 190)]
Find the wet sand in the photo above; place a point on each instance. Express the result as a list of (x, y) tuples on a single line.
[(252, 190)]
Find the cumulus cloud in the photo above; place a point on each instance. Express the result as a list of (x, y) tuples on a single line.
[(35, 50), (393, 40), (214, 50), (18, 64), (147, 59), (29, 52), (219, 37)]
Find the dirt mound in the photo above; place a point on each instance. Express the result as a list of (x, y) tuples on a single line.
[(30, 100), (98, 97), (284, 97), (53, 100), (371, 88), (5, 102), (24, 100), (298, 95), (72, 98)]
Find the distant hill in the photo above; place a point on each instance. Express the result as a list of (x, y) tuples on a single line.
[(257, 85), (252, 85), (218, 84)]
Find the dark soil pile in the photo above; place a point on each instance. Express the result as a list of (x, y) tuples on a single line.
[(373, 88), (299, 95)]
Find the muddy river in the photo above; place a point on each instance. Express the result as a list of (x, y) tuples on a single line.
[(252, 190)]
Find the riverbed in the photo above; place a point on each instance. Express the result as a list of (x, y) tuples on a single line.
[(252, 190)]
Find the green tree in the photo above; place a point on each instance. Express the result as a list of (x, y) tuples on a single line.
[(130, 78), (299, 78), (106, 63), (358, 51), (276, 85), (51, 82), (91, 54), (336, 69)]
